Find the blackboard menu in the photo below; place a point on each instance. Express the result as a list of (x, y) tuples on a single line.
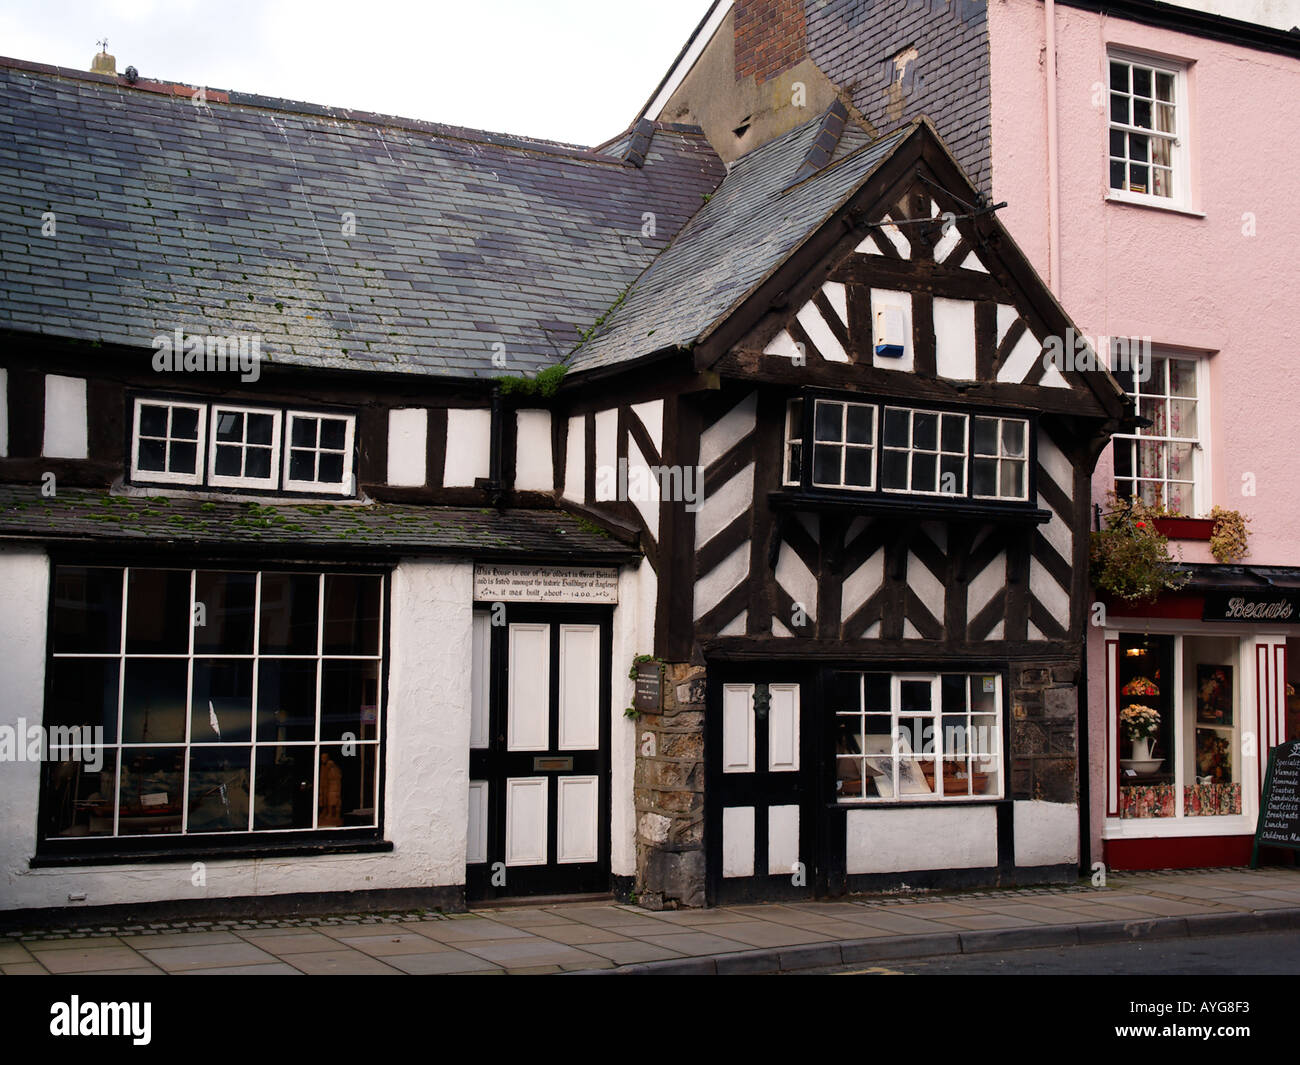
[(1279, 815)]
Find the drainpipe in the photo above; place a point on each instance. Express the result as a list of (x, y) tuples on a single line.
[(1053, 158)]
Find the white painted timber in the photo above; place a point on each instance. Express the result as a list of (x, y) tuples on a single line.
[(728, 431), (913, 838), (480, 679), (534, 470), (783, 728), (528, 716), (782, 839), (579, 687), (954, 338), (577, 833), (408, 446), (606, 455), (575, 461), (66, 430), (738, 841), (476, 840), (526, 808), (469, 446), (1046, 833), (737, 728)]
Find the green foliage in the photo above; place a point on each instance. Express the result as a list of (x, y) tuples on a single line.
[(1229, 542), (1129, 556), (544, 384)]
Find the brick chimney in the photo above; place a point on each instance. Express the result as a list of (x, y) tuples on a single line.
[(104, 63), (769, 37)]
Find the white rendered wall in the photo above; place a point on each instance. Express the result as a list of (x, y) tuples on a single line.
[(1046, 833), (469, 447), (575, 461), (65, 418), (408, 446), (881, 840), (426, 796), (633, 634), (533, 469)]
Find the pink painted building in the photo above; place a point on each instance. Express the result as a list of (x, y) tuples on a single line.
[(1142, 151)]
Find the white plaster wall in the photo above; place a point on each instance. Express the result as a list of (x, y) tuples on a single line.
[(65, 418), (633, 634), (606, 455), (408, 440), (469, 444), (903, 840), (575, 460), (954, 337), (1046, 833), (647, 501), (426, 810), (533, 469)]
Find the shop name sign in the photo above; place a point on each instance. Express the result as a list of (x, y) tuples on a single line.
[(546, 584), (1233, 606)]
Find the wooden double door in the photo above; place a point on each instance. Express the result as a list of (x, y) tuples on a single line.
[(539, 751)]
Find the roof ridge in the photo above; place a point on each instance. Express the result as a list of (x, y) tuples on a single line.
[(518, 142)]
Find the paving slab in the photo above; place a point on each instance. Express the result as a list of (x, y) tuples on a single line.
[(338, 963), (696, 943), (516, 953), (469, 932), (304, 943), (207, 956), (441, 963), (631, 951)]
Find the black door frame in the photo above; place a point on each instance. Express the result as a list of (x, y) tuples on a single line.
[(494, 763)]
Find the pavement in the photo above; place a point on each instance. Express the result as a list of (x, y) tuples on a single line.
[(610, 937)]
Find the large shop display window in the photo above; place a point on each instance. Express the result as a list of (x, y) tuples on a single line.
[(1179, 726), (217, 702)]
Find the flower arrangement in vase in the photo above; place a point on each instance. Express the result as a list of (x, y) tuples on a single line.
[(1140, 724)]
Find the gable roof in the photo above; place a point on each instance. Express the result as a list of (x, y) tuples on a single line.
[(765, 208), (229, 218)]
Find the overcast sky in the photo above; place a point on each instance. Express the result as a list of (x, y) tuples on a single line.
[(570, 70)]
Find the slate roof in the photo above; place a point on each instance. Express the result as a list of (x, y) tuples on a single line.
[(227, 218), (187, 523), (747, 229)]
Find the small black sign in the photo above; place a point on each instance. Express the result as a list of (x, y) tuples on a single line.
[(649, 688), (1279, 812), (1253, 607)]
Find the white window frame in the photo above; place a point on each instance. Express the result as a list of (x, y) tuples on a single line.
[(1200, 472), (1000, 457), (937, 756), (843, 444), (342, 488), (911, 450), (200, 444), (1180, 154), (272, 480)]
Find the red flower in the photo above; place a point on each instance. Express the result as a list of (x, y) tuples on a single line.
[(1141, 525)]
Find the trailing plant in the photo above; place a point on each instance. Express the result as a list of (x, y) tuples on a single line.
[(1228, 541), (638, 660), (1129, 556)]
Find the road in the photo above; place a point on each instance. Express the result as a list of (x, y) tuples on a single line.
[(1262, 953)]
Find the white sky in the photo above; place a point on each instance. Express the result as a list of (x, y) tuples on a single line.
[(570, 70)]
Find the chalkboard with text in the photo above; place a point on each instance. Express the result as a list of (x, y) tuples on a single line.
[(1279, 814)]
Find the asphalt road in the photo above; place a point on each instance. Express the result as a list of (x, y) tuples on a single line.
[(1262, 953)]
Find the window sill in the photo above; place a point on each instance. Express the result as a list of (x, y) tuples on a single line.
[(1153, 203), (910, 506), (49, 859), (1185, 528)]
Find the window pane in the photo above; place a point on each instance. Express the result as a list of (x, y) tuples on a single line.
[(897, 427), (1182, 378), (333, 432), (1117, 175), (331, 469), (182, 458), (952, 692), (1165, 87), (952, 475), (794, 470), (1137, 178), (302, 465), (290, 603), (153, 700), (351, 615), (1117, 143), (158, 611), (260, 428), (347, 787), (151, 791), (227, 615), (1138, 146), (79, 799), (914, 695), (924, 475), (222, 707), (285, 787), (230, 425), (152, 456), (794, 419), (925, 431), (861, 430), (257, 462), (876, 691), (954, 433), (1119, 76), (87, 609), (304, 432), (1012, 479), (1142, 114), (153, 420), (83, 693), (1119, 108), (826, 464), (229, 462), (1013, 438), (984, 474), (349, 700), (858, 463), (185, 423), (1141, 81), (829, 418), (893, 470), (219, 789), (986, 436), (286, 701)]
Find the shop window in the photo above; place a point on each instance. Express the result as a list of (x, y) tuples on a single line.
[(917, 737), (1179, 726), (212, 703), (1161, 464)]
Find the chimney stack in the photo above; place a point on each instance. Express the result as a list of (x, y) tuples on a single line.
[(104, 63)]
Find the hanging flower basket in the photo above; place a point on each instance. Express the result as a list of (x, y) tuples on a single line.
[(1130, 556)]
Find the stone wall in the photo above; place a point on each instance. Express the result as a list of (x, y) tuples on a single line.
[(1044, 730), (669, 794)]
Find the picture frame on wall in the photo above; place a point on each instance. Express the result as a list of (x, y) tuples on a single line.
[(1214, 695), (1213, 757)]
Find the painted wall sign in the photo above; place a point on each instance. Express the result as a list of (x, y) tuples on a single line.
[(649, 691), (546, 584), (1279, 812), (1282, 606)]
